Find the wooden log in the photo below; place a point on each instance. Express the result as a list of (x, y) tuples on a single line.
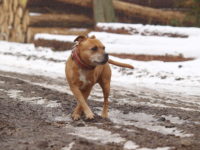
[(166, 17), (60, 20), (133, 10), (15, 4), (83, 3), (154, 3), (54, 44), (65, 31), (25, 21), (13, 20)]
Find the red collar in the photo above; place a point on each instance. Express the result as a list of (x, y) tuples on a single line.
[(79, 62)]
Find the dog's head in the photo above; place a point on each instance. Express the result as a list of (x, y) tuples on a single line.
[(91, 50)]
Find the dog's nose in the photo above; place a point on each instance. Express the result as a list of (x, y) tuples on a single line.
[(106, 56)]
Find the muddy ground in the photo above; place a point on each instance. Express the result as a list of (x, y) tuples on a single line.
[(35, 115)]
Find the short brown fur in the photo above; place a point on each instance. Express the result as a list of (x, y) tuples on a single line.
[(82, 80)]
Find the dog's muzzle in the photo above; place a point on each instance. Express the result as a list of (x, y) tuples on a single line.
[(105, 60)]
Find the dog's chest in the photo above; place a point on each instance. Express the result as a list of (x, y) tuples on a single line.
[(83, 77)]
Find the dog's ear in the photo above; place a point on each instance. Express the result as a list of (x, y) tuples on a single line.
[(80, 38), (93, 37)]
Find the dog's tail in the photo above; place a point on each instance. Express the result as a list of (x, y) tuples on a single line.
[(120, 64)]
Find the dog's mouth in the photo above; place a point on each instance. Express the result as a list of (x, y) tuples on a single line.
[(101, 62)]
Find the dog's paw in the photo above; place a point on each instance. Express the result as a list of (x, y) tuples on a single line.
[(90, 116), (104, 115), (75, 116)]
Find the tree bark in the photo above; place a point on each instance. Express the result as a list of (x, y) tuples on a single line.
[(14, 20), (103, 11)]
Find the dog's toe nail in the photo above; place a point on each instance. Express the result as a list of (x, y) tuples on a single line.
[(90, 116), (104, 116), (75, 117)]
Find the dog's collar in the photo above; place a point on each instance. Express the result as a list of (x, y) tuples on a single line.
[(79, 62)]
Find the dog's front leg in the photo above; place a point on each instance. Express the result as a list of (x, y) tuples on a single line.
[(81, 104), (77, 112)]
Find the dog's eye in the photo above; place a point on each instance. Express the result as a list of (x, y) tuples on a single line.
[(94, 48), (103, 47)]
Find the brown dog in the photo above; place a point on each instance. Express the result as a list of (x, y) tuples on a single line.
[(87, 66)]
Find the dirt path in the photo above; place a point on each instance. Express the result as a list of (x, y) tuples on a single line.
[(35, 114)]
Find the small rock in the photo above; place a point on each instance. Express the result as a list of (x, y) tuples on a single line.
[(129, 73), (125, 112), (162, 119), (179, 78), (79, 123), (163, 77), (185, 142), (180, 66), (169, 126)]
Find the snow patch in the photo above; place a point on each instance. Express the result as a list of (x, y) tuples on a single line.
[(35, 14), (191, 31), (96, 134), (64, 38), (129, 145), (158, 148), (63, 118), (145, 121), (16, 94), (2, 82), (175, 120), (69, 147)]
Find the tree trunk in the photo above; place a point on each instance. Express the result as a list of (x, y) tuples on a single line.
[(103, 11), (14, 20)]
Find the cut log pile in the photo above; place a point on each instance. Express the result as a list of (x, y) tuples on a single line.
[(52, 16), (129, 12), (61, 20), (14, 20), (57, 16), (166, 4), (125, 11)]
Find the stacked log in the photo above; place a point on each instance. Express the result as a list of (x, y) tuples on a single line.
[(61, 20), (14, 20), (154, 3), (127, 12), (55, 30)]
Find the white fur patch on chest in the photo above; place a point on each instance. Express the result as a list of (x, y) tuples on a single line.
[(82, 77)]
